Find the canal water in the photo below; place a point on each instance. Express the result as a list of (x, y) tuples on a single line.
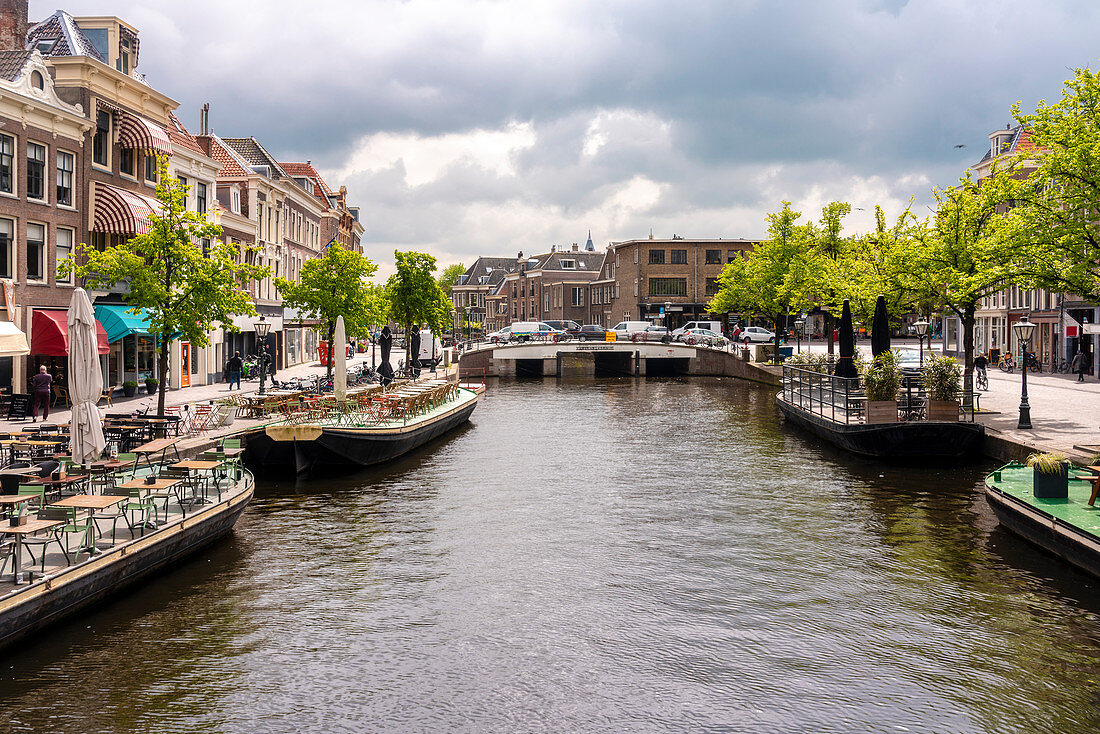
[(615, 556)]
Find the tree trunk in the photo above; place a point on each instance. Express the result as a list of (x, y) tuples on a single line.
[(829, 331), (163, 369), (968, 344)]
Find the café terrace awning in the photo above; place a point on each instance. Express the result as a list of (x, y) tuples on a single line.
[(119, 322), (13, 342), (50, 334), (118, 211), (141, 134)]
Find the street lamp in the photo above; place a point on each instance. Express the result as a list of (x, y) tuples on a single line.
[(922, 331), (798, 324), (263, 328), (1024, 330), (668, 314)]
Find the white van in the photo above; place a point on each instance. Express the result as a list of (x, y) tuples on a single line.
[(534, 331), (624, 330), (427, 357), (715, 326)]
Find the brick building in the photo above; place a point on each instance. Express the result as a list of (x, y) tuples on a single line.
[(471, 292), (551, 286)]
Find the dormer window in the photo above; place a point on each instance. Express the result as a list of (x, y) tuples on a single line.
[(46, 45), (568, 264)]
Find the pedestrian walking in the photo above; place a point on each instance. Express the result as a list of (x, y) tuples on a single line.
[(234, 366), (41, 385), (1078, 365)]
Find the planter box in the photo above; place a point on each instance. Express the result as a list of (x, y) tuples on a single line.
[(1051, 486), (943, 410), (129, 391), (882, 411)]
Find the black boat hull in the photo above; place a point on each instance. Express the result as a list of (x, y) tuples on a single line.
[(303, 448), (901, 440), (49, 600), (1050, 534)]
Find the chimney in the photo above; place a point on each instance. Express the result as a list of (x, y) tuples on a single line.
[(575, 247), (13, 25)]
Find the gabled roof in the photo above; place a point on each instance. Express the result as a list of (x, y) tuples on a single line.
[(68, 39), (1021, 142), (179, 136), (232, 164), (306, 170), (12, 63), (487, 271), (585, 261), (254, 154)]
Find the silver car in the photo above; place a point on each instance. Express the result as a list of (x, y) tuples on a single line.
[(755, 334), (702, 336)]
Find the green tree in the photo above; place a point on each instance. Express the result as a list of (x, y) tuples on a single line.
[(335, 284), (968, 251), (776, 277), (450, 276), (1058, 205), (414, 296), (185, 290)]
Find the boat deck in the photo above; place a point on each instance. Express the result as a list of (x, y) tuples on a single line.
[(1016, 482), (177, 514)]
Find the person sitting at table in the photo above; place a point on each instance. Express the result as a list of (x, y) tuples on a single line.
[(41, 384)]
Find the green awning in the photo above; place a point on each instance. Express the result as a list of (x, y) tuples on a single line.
[(119, 322)]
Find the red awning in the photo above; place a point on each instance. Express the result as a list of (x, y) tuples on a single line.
[(118, 211), (50, 334), (141, 134)]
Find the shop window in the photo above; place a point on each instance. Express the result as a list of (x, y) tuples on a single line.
[(679, 257), (36, 171), (65, 178)]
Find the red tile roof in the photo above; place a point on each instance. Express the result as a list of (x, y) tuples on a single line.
[(179, 136), (306, 170), (230, 163)]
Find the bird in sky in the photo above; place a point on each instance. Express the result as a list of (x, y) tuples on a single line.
[(961, 145)]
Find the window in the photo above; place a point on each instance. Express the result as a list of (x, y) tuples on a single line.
[(679, 257), (200, 198), (36, 251), (714, 257), (576, 298), (7, 237), (37, 81), (731, 255), (568, 264), (64, 179), (36, 171), (668, 286), (205, 247), (64, 249), (712, 286), (235, 200), (7, 164), (656, 257), (151, 168), (126, 161), (101, 138)]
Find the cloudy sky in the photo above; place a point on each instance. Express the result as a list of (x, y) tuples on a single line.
[(477, 127)]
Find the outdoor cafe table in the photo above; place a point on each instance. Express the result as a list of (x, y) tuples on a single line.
[(90, 502), (11, 500), (32, 526), (161, 445), (50, 483), (199, 465)]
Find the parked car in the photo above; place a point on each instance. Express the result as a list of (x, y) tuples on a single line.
[(624, 330), (500, 335), (569, 327), (714, 326), (702, 336), (653, 333), (592, 332), (755, 334), (909, 361)]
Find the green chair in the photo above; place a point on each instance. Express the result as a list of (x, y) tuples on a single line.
[(41, 542), (38, 490), (139, 504), (114, 514)]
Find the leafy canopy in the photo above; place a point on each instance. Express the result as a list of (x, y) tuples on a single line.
[(413, 294)]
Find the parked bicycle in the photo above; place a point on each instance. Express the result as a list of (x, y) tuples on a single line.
[(1007, 363), (1032, 362)]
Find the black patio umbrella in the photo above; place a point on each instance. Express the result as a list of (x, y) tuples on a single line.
[(385, 343), (880, 328), (845, 365)]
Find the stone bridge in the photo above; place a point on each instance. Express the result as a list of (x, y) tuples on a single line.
[(580, 360)]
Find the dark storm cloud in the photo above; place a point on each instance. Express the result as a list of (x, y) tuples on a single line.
[(724, 107)]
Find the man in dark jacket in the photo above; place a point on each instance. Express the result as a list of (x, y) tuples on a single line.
[(1079, 365), (40, 386), (234, 365)]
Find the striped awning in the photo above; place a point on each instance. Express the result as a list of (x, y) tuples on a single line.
[(118, 211), (141, 134)]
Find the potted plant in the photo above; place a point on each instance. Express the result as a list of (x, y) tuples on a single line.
[(151, 384), (1051, 475), (129, 388), (881, 380), (942, 377)]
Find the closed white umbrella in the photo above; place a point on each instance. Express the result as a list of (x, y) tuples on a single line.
[(340, 366), (85, 381)]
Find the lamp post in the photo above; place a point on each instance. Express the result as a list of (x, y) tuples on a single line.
[(798, 324), (922, 331), (263, 327), (1024, 330), (668, 314)]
